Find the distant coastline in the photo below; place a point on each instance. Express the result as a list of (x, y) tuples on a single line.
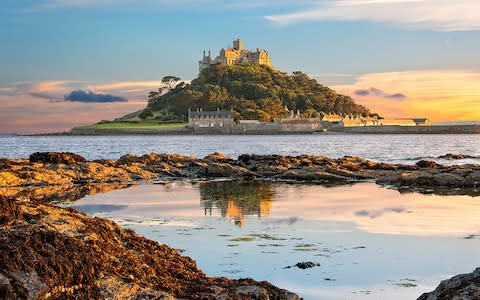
[(238, 130)]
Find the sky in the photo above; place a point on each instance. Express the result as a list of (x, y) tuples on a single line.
[(65, 63)]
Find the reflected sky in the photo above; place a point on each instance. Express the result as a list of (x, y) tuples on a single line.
[(370, 242)]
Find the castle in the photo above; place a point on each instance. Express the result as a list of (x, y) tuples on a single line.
[(236, 55)]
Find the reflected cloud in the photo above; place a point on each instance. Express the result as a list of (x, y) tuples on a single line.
[(288, 221), (98, 208), (378, 213), (375, 209)]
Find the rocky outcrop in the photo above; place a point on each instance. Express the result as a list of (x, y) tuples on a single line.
[(460, 287), (66, 168), (48, 252)]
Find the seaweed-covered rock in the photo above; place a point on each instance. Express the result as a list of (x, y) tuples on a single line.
[(52, 252)]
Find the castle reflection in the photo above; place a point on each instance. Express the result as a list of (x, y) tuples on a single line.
[(237, 199)]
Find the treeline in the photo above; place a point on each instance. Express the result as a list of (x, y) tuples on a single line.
[(253, 92)]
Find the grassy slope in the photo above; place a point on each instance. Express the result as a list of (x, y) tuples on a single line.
[(149, 124)]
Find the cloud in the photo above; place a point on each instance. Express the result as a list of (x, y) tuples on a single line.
[(437, 15), (441, 95), (90, 97), (379, 93), (39, 106)]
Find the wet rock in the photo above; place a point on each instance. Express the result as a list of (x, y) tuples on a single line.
[(223, 170), (460, 287), (422, 178), (56, 158), (429, 164), (451, 156), (312, 175), (304, 265), (473, 180)]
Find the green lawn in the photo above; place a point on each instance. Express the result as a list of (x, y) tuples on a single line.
[(141, 125)]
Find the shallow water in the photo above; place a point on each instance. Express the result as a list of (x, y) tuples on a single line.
[(385, 148), (370, 242)]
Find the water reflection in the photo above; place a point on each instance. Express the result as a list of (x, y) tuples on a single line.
[(57, 194), (237, 199)]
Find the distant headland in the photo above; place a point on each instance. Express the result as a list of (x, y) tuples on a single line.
[(239, 92)]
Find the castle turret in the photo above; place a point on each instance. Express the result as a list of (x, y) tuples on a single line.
[(238, 44)]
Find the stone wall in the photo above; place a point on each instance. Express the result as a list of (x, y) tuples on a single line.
[(392, 129)]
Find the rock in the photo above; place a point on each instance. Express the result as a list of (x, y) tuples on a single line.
[(254, 292), (217, 156), (429, 164), (473, 180), (451, 156), (460, 287), (311, 175), (422, 178), (304, 265), (128, 159), (10, 179), (56, 158), (223, 170)]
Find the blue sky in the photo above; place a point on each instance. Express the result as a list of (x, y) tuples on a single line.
[(87, 43)]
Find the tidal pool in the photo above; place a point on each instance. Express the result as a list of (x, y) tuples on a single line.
[(370, 242)]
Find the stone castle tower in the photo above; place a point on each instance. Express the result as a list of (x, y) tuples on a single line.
[(236, 55)]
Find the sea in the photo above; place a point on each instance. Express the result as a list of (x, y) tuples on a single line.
[(365, 241), (405, 149)]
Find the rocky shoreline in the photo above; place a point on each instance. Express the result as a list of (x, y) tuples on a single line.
[(43, 169), (49, 252)]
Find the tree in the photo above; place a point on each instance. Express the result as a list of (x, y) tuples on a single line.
[(253, 91), (170, 82), (146, 113)]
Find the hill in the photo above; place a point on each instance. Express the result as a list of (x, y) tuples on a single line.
[(252, 91)]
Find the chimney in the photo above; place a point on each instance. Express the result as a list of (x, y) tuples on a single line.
[(209, 53), (203, 53)]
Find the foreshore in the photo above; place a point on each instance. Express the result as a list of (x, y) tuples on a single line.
[(49, 252), (43, 169)]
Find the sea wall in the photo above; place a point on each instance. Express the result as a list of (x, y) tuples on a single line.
[(395, 129)]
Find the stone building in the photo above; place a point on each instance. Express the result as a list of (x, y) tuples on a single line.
[(210, 119), (236, 55)]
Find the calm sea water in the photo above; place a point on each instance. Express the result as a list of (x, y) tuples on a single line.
[(385, 148), (370, 242)]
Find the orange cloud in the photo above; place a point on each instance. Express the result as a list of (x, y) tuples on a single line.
[(438, 95)]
